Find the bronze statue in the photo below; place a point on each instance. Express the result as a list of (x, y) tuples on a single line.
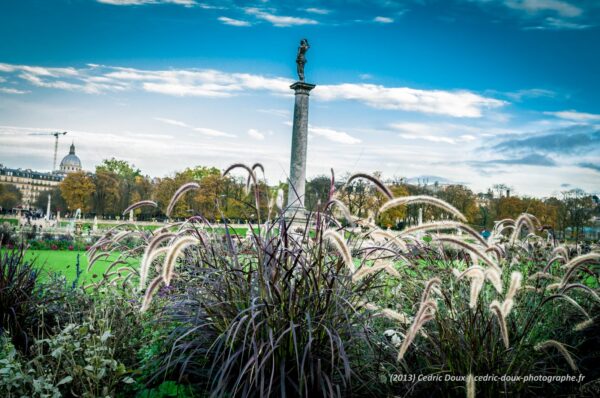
[(301, 59)]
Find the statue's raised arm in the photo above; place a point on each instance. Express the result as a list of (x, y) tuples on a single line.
[(301, 58)]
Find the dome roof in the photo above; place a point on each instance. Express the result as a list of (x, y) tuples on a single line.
[(70, 162)]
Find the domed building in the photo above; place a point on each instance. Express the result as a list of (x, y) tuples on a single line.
[(71, 162)]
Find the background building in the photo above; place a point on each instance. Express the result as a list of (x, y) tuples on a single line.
[(31, 183)]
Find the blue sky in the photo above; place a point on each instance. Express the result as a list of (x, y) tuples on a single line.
[(473, 91)]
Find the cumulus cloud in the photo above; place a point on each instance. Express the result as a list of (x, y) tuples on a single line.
[(561, 8), (333, 135), (96, 79), (320, 11), (575, 116), (255, 134), (172, 122), (449, 133), (279, 20), (187, 3), (453, 103), (383, 19), (8, 90), (520, 95), (212, 132), (202, 130), (233, 22)]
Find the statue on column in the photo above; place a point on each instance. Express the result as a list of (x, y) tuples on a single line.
[(301, 58)]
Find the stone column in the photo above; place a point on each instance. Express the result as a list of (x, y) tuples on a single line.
[(48, 208), (295, 201)]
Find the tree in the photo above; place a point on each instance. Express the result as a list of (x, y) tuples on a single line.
[(10, 196), (316, 192), (464, 200), (120, 167), (391, 218), (580, 208), (142, 189), (107, 193), (57, 203), (77, 189), (126, 173)]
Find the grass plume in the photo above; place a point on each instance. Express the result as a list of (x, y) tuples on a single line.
[(424, 199), (561, 348)]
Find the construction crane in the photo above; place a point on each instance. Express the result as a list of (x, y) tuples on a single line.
[(56, 135)]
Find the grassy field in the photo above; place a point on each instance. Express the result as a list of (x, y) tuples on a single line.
[(64, 262)]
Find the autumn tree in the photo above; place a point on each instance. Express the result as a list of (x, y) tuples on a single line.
[(126, 173), (392, 217), (107, 193), (77, 189), (464, 200), (10, 196)]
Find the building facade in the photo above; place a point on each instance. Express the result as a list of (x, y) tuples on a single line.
[(31, 183)]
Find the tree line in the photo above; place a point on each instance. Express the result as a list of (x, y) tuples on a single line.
[(116, 184)]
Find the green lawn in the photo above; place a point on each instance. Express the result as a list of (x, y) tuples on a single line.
[(63, 261)]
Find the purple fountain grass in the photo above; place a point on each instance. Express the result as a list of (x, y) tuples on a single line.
[(496, 309), (378, 184), (472, 248), (340, 244), (424, 199), (441, 225), (577, 262), (178, 194), (425, 314), (137, 205), (147, 257), (175, 250), (561, 348)]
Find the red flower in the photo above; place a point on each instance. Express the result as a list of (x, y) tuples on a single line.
[(70, 247), (54, 247)]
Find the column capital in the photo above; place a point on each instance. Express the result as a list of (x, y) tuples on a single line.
[(302, 88)]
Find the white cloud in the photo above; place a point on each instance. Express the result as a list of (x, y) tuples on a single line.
[(279, 20), (257, 135), (557, 24), (530, 93), (451, 103), (96, 79), (383, 19), (562, 8), (441, 132), (432, 138), (187, 3), (320, 11), (333, 135), (575, 116), (203, 130), (172, 122), (212, 132), (7, 90), (284, 113), (233, 22)]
